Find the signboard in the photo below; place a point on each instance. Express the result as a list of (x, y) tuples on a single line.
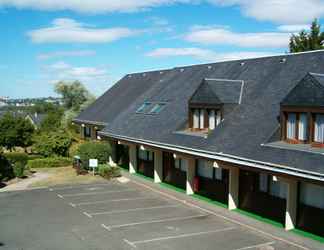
[(93, 163)]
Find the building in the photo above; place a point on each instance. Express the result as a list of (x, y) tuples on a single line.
[(247, 133)]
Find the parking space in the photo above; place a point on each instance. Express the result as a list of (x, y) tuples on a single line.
[(142, 219)]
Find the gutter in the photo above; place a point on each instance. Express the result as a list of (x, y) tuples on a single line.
[(89, 122), (224, 157)]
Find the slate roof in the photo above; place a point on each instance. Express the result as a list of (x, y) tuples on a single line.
[(37, 118), (267, 81), (309, 92), (206, 95)]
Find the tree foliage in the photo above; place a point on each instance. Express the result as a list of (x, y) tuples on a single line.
[(94, 150), (15, 131), (52, 121), (306, 41), (74, 94), (50, 144)]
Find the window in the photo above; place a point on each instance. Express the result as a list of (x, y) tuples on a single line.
[(302, 127), (218, 118), (177, 163), (87, 131), (196, 118), (278, 189), (184, 165), (312, 195), (145, 155), (204, 170), (143, 107), (218, 174), (214, 118), (291, 126), (263, 182), (319, 128), (157, 108), (201, 118)]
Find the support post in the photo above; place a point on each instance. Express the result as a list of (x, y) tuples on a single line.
[(132, 159), (233, 194), (82, 135), (291, 204), (158, 166), (191, 172), (113, 156)]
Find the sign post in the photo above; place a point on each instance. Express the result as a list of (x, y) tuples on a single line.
[(93, 163)]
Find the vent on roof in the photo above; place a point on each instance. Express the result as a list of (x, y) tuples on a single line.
[(242, 63), (129, 76), (209, 67), (181, 70), (161, 72), (283, 60), (144, 74)]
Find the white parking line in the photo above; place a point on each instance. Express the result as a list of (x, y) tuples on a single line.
[(132, 210), (106, 227), (221, 216), (130, 243), (257, 246), (88, 215), (113, 200), (84, 186), (134, 243), (156, 221), (60, 196), (95, 193)]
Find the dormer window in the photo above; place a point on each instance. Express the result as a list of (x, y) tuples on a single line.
[(205, 118), (319, 129), (297, 127)]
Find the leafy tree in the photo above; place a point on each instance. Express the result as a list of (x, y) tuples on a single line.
[(94, 150), (15, 131), (51, 122), (74, 94), (306, 41), (55, 143)]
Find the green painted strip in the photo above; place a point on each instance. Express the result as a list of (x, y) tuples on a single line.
[(308, 235), (124, 166), (144, 176), (211, 201), (169, 186), (260, 218)]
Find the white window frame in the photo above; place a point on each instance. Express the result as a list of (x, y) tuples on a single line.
[(302, 126), (291, 126), (319, 128)]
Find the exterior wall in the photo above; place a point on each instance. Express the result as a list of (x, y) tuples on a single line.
[(171, 175)]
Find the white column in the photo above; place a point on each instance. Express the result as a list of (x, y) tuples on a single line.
[(158, 166), (191, 172), (113, 156), (233, 192), (291, 205), (82, 132), (132, 159)]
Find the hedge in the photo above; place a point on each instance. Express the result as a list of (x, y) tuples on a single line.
[(16, 157), (108, 172), (50, 162), (94, 150)]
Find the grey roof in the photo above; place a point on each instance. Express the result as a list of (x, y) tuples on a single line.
[(205, 94), (308, 92), (267, 81), (37, 118)]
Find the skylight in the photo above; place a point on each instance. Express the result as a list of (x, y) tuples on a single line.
[(157, 108), (143, 107)]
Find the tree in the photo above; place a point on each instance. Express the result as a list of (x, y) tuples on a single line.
[(52, 121), (74, 94), (306, 41), (15, 131)]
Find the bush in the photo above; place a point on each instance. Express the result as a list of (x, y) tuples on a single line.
[(108, 172), (6, 171), (94, 150), (52, 144), (19, 169), (50, 162)]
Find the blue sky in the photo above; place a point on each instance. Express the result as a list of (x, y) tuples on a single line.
[(99, 41)]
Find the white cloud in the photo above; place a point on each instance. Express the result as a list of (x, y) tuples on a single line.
[(293, 27), (204, 54), (89, 6), (279, 11), (60, 54), (65, 30), (210, 35)]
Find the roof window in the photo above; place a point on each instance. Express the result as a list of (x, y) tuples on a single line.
[(157, 108), (143, 107)]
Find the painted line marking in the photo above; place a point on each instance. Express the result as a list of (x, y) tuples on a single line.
[(114, 200), (51, 189), (133, 209), (256, 246), (129, 243), (94, 193), (88, 215), (106, 227), (72, 204), (181, 236), (85, 186), (221, 216), (60, 196), (157, 221)]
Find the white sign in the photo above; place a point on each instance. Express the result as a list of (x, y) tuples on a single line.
[(93, 163)]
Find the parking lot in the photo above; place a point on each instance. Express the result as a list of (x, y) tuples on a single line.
[(121, 216)]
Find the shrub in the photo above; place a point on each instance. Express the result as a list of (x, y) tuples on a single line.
[(94, 150), (15, 157), (19, 169), (50, 162), (52, 144), (6, 171), (108, 172)]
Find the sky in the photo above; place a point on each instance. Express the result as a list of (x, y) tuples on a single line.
[(99, 41)]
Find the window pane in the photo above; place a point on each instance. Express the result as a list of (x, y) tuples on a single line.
[(218, 174), (212, 119), (278, 189), (218, 118), (201, 119), (196, 118), (312, 195), (263, 182), (319, 129), (291, 126), (177, 163), (150, 155), (142, 154), (302, 127), (204, 170), (143, 107), (184, 165), (157, 108)]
